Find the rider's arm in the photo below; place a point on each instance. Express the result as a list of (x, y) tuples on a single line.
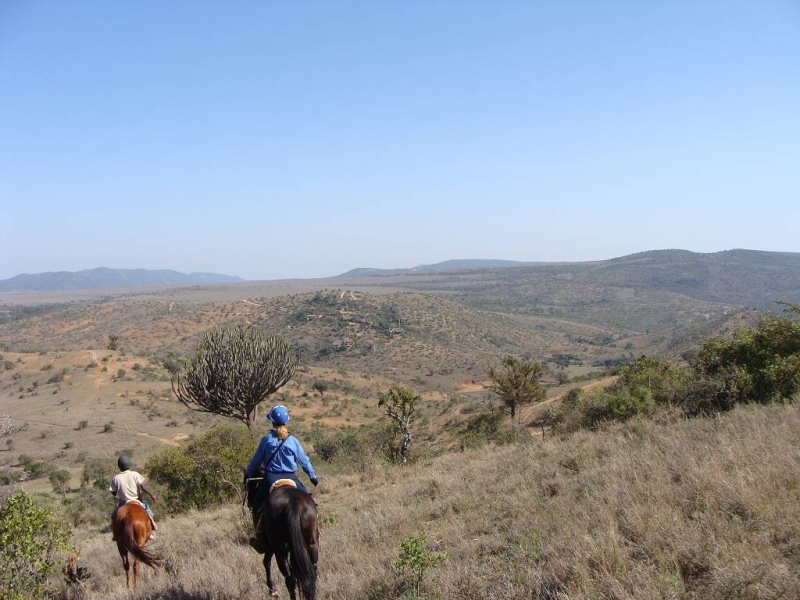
[(258, 457), (303, 460), (147, 491)]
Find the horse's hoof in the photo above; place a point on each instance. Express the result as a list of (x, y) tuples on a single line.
[(273, 593)]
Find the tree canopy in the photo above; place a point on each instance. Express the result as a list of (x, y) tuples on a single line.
[(517, 382), (400, 404), (234, 370)]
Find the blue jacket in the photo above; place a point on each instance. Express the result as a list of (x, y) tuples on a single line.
[(285, 459)]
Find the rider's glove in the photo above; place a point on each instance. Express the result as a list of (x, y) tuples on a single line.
[(315, 481)]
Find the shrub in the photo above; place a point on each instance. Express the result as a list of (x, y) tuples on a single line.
[(98, 471), (59, 479), (759, 365), (206, 472), (31, 540), (416, 560), (653, 377)]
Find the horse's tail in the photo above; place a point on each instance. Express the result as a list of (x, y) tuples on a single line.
[(302, 567), (144, 555)]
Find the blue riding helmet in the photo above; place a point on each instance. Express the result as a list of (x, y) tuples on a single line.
[(124, 463), (279, 415)]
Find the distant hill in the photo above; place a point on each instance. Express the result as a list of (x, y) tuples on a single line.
[(103, 277), (448, 265), (739, 277)]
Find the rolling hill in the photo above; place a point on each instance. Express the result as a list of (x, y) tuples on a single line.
[(103, 277)]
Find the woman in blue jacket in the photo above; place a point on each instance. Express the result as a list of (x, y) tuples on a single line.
[(278, 453)]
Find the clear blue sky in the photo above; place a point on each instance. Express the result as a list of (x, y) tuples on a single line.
[(302, 139)]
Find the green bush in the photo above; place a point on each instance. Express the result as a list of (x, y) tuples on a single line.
[(416, 560), (664, 383), (208, 471), (759, 365), (98, 472), (31, 541)]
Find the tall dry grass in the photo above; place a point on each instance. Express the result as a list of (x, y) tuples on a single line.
[(697, 509)]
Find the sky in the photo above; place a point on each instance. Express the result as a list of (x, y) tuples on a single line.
[(278, 139)]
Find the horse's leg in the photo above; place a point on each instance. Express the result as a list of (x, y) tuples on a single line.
[(125, 564), (135, 571), (282, 558), (268, 568)]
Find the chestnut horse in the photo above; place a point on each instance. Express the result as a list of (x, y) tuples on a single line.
[(131, 526), (290, 527)]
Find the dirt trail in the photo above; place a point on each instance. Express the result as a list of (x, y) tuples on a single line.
[(528, 412), (139, 432)]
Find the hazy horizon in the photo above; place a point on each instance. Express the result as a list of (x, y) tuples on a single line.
[(273, 141)]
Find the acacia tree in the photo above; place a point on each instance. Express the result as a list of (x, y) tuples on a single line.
[(516, 382), (400, 404), (233, 371)]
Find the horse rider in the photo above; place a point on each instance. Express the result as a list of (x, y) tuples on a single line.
[(129, 485), (278, 453)]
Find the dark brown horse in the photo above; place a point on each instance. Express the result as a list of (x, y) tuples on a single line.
[(290, 527), (131, 527)]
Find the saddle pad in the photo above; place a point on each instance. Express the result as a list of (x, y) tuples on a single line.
[(282, 482), (134, 501)]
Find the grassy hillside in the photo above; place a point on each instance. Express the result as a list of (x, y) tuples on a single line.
[(694, 509), (429, 340), (734, 277)]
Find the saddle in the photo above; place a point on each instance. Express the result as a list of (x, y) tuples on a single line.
[(282, 483)]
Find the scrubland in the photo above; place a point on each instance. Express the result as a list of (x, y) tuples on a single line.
[(701, 508)]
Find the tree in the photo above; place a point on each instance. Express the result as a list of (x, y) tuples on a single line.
[(234, 370), (113, 341), (319, 386), (60, 482), (31, 539), (517, 383), (399, 404), (172, 364)]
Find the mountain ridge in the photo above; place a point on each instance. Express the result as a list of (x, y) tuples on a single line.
[(106, 277)]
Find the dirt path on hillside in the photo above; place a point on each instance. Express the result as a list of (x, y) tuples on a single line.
[(528, 412), (139, 432)]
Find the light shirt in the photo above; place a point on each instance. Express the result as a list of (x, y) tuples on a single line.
[(126, 485), (285, 460)]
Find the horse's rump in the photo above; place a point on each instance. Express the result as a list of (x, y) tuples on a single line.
[(131, 527), (291, 522)]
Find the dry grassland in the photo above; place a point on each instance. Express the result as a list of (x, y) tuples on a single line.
[(695, 509)]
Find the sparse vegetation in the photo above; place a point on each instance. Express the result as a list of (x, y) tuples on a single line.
[(569, 514)]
